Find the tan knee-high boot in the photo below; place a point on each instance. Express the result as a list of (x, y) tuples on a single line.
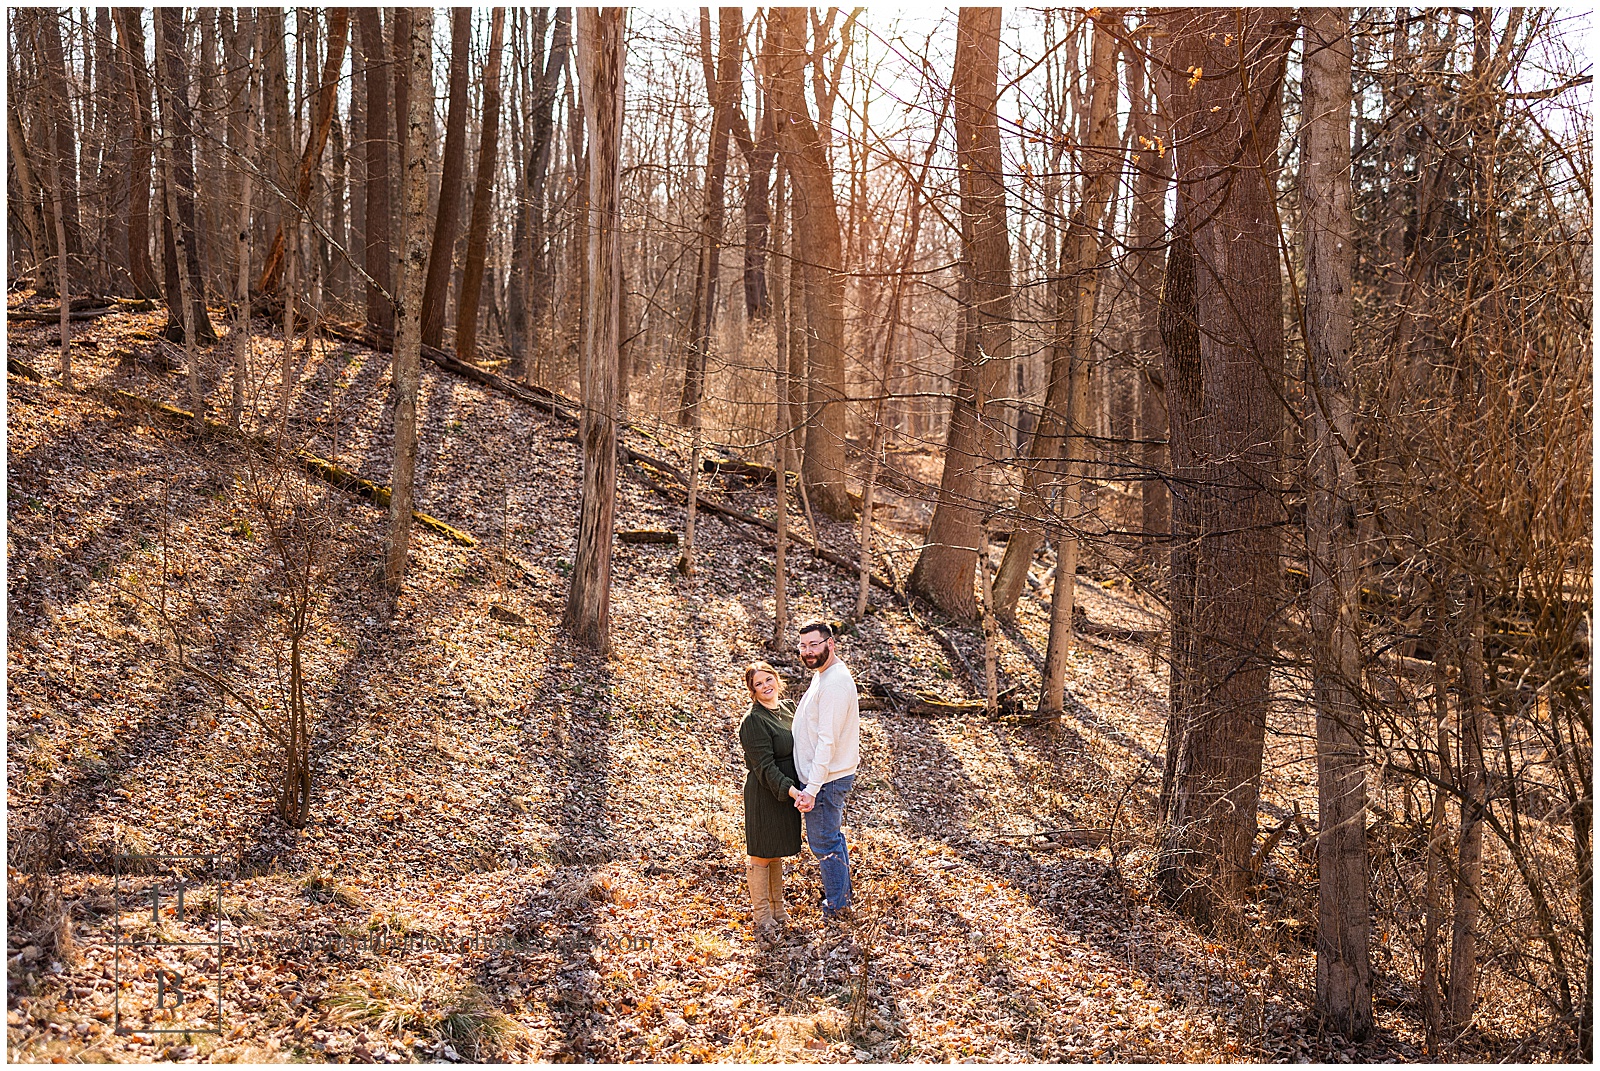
[(775, 892), (757, 874)]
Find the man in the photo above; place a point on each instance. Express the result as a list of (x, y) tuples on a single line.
[(827, 750)]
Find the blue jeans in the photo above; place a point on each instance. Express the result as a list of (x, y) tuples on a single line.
[(827, 843)]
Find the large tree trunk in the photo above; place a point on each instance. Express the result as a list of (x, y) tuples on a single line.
[(815, 214), (322, 122), (1344, 971), (1226, 166), (1081, 253), (375, 150), (482, 196), (945, 569), (408, 338), (441, 261), (131, 49), (601, 57), (178, 130)]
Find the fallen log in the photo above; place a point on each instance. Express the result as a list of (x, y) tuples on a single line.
[(319, 467), (648, 535), (557, 405), (55, 317)]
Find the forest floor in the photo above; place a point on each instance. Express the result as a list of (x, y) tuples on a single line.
[(479, 776)]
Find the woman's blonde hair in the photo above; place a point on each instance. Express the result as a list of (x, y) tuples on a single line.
[(762, 667)]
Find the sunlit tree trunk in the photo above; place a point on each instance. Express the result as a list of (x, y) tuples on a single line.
[(601, 58), (815, 214), (408, 336), (944, 571), (136, 82), (1344, 971), (1227, 122)]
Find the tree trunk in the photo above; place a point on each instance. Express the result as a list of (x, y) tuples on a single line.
[(1344, 971), (1226, 167), (530, 274), (482, 196), (375, 153), (447, 222), (1474, 800), (178, 133), (64, 145), (780, 436), (601, 59), (408, 338), (189, 306), (720, 87), (321, 123), (759, 153), (1154, 163), (241, 322), (1082, 251), (131, 50), (817, 244), (944, 571)]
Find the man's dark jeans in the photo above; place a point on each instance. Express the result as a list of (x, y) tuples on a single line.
[(827, 843)]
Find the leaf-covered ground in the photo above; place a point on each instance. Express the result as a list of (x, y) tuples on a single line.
[(475, 777)]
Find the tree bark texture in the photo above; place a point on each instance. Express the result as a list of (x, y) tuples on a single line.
[(815, 220), (721, 85), (1344, 970), (601, 58), (1153, 163), (136, 83), (63, 143), (530, 272), (441, 261), (408, 338), (482, 197), (1227, 118), (375, 151), (178, 134), (944, 572)]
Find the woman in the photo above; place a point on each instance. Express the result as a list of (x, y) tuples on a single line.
[(771, 822)]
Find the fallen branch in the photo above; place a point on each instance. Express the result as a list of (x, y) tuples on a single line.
[(55, 317), (319, 467)]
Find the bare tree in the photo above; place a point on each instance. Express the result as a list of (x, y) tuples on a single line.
[(601, 57), (1224, 103), (815, 214), (1344, 972), (453, 179), (136, 83), (408, 336), (944, 571), (482, 196), (375, 150)]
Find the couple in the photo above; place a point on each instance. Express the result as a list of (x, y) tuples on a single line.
[(802, 760)]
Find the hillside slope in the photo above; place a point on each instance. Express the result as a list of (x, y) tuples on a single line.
[(474, 776)]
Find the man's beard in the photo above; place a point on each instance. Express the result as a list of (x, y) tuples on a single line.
[(814, 661)]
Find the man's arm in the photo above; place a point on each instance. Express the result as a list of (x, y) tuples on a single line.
[(831, 709)]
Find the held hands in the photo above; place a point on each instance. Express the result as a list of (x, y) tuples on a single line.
[(802, 801)]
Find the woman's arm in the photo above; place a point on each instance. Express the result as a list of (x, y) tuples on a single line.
[(757, 744)]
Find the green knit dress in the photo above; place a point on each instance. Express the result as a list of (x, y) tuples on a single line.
[(771, 823)]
